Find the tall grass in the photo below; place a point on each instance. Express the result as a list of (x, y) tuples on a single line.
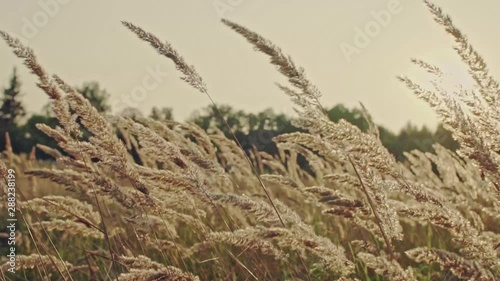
[(198, 207)]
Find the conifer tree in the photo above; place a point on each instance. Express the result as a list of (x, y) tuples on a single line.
[(12, 109)]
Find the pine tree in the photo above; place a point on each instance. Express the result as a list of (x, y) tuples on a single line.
[(12, 110)]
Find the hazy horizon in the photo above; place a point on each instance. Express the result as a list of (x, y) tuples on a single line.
[(85, 41)]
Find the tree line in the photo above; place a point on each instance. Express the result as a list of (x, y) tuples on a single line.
[(253, 130)]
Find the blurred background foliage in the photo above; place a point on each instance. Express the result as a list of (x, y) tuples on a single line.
[(253, 130)]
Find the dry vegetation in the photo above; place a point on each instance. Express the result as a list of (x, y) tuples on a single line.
[(192, 205)]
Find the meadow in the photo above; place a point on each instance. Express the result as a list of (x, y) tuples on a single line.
[(132, 198)]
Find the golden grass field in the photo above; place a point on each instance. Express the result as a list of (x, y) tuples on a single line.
[(197, 207)]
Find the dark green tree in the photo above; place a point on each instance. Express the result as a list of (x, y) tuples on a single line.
[(12, 109), (164, 113), (11, 113), (411, 138), (213, 116), (391, 142), (353, 116), (445, 138)]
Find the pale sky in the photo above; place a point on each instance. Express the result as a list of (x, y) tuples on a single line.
[(85, 41)]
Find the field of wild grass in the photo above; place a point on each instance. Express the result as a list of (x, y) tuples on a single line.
[(142, 199)]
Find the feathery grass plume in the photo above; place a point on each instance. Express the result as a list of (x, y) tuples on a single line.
[(295, 230), (187, 165), (342, 179), (167, 152), (67, 177), (165, 211), (342, 139), (110, 150), (57, 134), (169, 273), (460, 267), (164, 48), (172, 135), (82, 215), (29, 59), (233, 157), (362, 147), (292, 235), (69, 227), (296, 75), (56, 154), (308, 99), (421, 168), (473, 247), (281, 180), (3, 169), (276, 165), (338, 203), (201, 137), (60, 107), (160, 245), (64, 207), (299, 238), (146, 223), (488, 86), (466, 131), (363, 151), (468, 184), (188, 148), (384, 213), (195, 80), (317, 165), (262, 211), (36, 260), (142, 268), (477, 134), (253, 238), (102, 185), (312, 142), (390, 269), (370, 181), (430, 68)]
